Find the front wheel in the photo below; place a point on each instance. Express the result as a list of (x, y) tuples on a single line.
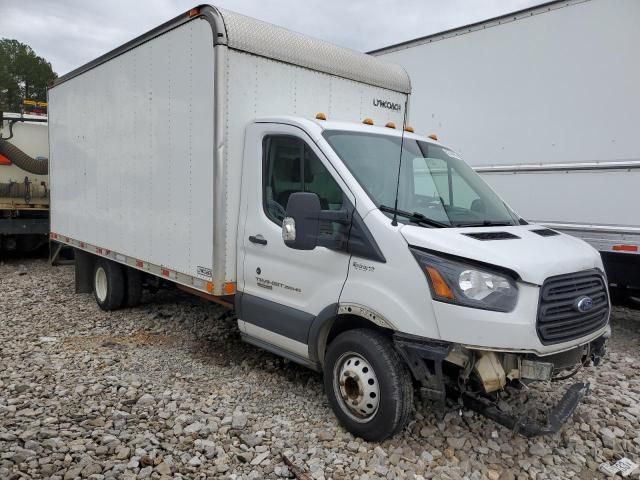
[(368, 385)]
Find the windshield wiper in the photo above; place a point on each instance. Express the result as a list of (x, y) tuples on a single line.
[(414, 217)]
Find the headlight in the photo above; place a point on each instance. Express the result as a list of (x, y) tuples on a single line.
[(456, 282)]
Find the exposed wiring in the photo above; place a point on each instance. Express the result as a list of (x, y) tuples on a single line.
[(577, 369)]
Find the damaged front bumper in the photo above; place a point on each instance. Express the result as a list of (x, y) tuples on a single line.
[(474, 378), (523, 425)]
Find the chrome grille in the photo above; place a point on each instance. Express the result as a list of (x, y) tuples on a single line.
[(559, 318)]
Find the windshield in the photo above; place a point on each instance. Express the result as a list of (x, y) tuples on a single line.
[(434, 182)]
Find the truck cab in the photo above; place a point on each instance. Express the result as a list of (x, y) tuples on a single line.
[(448, 276)]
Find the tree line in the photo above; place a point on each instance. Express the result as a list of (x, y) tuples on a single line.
[(23, 75)]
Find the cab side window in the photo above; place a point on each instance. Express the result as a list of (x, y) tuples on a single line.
[(290, 166)]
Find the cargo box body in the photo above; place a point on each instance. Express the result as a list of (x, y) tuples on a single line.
[(147, 141)]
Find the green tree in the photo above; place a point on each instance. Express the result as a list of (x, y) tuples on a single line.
[(23, 74)]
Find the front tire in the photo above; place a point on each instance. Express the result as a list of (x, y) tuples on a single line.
[(108, 284), (368, 385)]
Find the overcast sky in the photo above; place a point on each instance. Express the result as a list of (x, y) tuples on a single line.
[(69, 33)]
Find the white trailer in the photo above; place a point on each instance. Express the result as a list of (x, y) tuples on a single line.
[(270, 172), (24, 184), (545, 104)]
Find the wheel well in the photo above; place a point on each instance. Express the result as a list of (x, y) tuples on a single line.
[(84, 263), (341, 324)]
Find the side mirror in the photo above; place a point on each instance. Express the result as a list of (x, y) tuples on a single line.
[(301, 225)]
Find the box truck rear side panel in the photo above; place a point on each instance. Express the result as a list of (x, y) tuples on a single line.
[(133, 154)]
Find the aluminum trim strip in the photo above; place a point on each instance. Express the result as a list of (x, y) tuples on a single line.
[(632, 164), (620, 229), (266, 40)]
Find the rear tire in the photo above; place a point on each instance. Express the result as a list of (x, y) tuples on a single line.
[(133, 293), (108, 284), (368, 385)]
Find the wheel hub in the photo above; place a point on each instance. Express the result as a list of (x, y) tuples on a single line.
[(357, 386), (101, 284)]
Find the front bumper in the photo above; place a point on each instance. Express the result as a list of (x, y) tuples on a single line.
[(525, 426), (441, 370)]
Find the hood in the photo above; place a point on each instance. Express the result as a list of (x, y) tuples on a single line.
[(534, 257)]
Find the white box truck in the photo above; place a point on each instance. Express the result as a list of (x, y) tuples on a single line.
[(270, 172), (545, 104)]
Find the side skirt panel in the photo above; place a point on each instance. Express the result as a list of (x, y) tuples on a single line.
[(277, 344)]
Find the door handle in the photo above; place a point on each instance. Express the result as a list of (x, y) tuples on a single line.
[(259, 239)]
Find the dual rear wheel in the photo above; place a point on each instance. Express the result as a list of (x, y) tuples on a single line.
[(115, 286)]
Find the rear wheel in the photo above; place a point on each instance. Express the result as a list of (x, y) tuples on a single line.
[(108, 284), (368, 385)]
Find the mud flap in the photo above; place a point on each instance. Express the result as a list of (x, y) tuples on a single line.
[(523, 425)]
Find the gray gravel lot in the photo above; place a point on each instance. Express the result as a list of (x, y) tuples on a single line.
[(168, 390)]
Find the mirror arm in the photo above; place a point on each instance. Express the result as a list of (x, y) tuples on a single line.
[(342, 216)]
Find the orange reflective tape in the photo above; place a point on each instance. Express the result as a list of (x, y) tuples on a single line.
[(625, 248)]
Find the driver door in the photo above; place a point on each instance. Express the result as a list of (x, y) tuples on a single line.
[(283, 289)]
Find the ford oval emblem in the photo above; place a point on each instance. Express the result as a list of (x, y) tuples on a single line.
[(584, 304)]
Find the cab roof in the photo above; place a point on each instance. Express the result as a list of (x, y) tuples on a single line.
[(318, 126)]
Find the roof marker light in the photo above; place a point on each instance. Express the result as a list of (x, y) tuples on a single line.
[(433, 136), (390, 125), (193, 12), (409, 129), (367, 121), (320, 116)]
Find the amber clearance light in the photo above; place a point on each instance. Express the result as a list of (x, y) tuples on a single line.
[(440, 287)]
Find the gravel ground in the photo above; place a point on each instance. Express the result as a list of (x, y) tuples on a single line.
[(168, 390)]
